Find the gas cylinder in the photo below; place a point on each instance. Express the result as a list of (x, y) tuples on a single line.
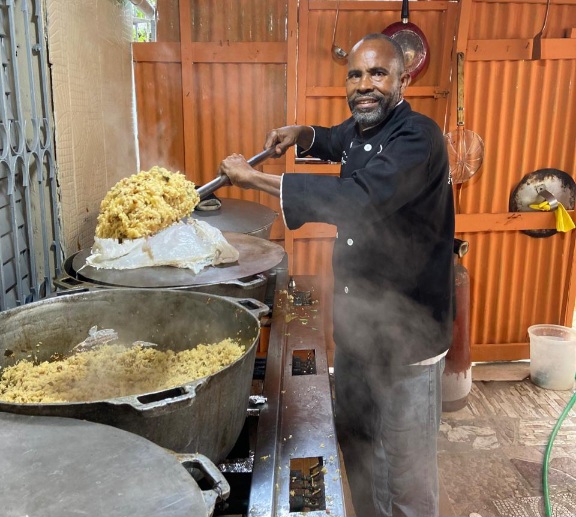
[(457, 376)]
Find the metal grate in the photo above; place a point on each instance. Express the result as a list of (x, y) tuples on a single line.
[(30, 252)]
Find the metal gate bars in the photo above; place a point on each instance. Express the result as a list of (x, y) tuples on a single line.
[(30, 251)]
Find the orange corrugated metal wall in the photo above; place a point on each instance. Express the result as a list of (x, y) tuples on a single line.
[(525, 111), (224, 72)]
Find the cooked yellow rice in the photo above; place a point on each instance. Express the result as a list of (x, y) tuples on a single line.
[(145, 203), (111, 371)]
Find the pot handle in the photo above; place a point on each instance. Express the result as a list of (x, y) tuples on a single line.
[(259, 280), (220, 487), (162, 402), (71, 285), (256, 307), (65, 281)]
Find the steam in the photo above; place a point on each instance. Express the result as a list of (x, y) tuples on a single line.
[(377, 412), (394, 330)]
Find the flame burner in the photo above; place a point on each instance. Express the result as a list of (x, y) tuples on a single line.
[(286, 458)]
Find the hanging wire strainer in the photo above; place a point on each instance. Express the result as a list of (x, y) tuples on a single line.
[(465, 147)]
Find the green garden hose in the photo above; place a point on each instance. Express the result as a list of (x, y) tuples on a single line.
[(547, 507)]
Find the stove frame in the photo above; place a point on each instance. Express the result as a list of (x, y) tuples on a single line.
[(296, 465)]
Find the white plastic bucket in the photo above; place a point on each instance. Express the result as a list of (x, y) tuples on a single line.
[(552, 356)]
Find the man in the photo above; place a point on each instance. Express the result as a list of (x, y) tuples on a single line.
[(393, 275)]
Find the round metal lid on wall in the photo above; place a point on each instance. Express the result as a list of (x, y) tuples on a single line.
[(546, 181), (238, 215)]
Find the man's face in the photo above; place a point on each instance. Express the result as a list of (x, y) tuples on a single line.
[(374, 85)]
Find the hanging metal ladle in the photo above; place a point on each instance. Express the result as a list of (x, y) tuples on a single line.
[(338, 53)]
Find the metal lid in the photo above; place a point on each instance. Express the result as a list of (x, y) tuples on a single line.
[(237, 215), (59, 467), (256, 256), (553, 181)]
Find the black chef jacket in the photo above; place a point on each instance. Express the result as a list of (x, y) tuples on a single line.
[(393, 255)]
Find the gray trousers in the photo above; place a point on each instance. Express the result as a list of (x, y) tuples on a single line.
[(387, 421)]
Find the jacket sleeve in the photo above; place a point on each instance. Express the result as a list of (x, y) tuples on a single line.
[(328, 143), (396, 176)]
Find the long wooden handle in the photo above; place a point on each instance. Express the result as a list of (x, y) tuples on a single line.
[(460, 82)]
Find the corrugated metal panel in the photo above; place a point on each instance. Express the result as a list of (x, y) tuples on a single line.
[(238, 20), (234, 104), (516, 281), (239, 104), (493, 20), (351, 26), (168, 21), (159, 108), (526, 113), (326, 111)]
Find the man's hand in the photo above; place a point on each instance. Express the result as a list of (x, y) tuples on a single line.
[(287, 136), (242, 175), (238, 171)]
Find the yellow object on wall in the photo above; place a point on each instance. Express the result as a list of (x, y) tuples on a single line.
[(564, 222)]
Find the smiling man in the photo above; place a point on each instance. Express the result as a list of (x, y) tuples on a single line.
[(393, 275), (370, 104)]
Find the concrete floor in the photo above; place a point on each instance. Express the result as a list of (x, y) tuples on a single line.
[(491, 452)]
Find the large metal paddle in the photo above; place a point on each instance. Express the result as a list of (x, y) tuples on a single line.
[(205, 190)]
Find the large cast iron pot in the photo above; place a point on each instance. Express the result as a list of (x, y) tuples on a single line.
[(204, 416)]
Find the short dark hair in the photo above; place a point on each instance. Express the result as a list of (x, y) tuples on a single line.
[(399, 53)]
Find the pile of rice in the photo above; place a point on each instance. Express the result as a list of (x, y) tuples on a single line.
[(145, 203), (111, 371)]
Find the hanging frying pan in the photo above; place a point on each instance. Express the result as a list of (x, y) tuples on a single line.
[(413, 42)]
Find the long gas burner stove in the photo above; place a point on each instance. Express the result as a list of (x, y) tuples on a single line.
[(286, 461)]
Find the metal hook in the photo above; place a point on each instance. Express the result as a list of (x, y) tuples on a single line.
[(537, 41)]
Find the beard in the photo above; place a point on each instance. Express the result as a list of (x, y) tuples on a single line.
[(373, 117)]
